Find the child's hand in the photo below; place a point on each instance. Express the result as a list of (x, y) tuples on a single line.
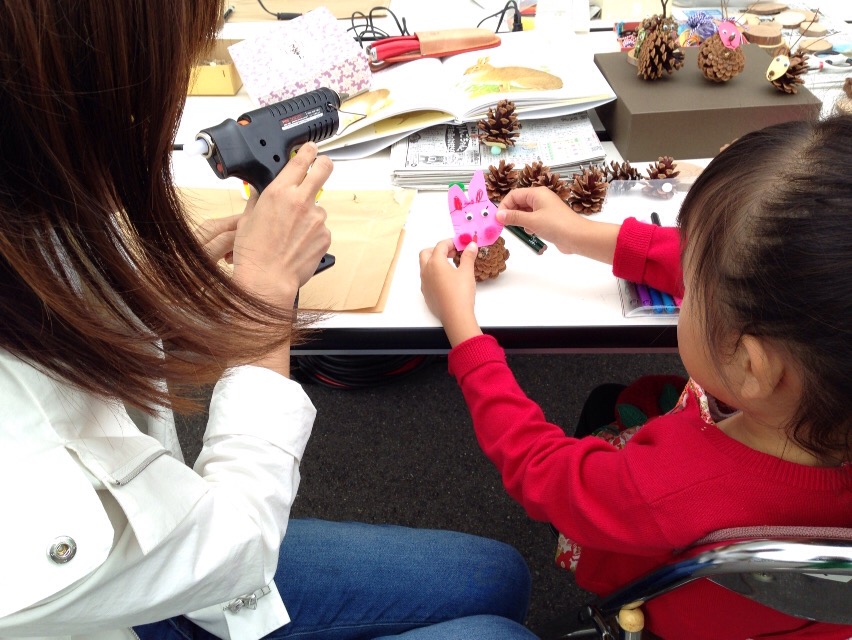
[(542, 212), (450, 291)]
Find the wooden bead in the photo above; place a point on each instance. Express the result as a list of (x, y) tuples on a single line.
[(631, 620)]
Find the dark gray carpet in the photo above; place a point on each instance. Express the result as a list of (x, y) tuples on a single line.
[(405, 454)]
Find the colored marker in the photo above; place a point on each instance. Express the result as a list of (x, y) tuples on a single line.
[(655, 218), (678, 300), (669, 302), (656, 299), (532, 241), (644, 295)]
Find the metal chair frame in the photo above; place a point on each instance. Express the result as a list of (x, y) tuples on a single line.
[(803, 576)]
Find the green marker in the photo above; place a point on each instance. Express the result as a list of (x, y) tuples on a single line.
[(532, 241)]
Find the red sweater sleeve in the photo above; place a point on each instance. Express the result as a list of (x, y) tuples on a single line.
[(648, 254), (582, 486)]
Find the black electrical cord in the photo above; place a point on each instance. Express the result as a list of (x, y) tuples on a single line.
[(278, 16), (517, 25), (357, 372), (368, 31)]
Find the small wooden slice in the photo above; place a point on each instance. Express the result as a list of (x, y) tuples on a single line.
[(814, 45), (813, 29), (790, 19), (767, 8), (766, 35)]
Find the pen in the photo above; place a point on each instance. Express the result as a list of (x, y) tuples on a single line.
[(656, 299), (228, 13), (644, 295), (532, 241), (668, 302)]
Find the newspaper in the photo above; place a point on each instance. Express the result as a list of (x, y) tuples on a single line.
[(435, 157)]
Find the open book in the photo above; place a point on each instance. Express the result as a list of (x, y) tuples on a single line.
[(461, 88)]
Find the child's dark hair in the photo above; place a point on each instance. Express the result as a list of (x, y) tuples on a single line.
[(769, 229)]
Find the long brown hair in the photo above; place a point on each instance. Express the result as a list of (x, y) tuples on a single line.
[(768, 228), (98, 262)]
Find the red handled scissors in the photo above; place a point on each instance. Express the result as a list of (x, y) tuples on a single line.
[(392, 47)]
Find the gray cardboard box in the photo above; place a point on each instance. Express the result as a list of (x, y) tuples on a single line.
[(684, 115)]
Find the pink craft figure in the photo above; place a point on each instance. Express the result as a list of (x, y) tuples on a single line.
[(474, 215)]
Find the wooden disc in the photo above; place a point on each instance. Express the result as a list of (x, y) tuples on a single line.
[(633, 57), (749, 19), (766, 35), (790, 19), (810, 16), (814, 45), (813, 29), (767, 8)]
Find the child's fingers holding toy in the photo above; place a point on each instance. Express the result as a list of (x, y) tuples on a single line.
[(449, 291)]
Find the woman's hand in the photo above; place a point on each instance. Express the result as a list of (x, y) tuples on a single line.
[(450, 291), (281, 237), (542, 212), (217, 236)]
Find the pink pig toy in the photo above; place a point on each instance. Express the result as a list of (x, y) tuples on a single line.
[(474, 215)]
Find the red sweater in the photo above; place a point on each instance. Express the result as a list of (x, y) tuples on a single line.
[(678, 479)]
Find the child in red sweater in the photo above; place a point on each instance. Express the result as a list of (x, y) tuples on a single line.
[(765, 327)]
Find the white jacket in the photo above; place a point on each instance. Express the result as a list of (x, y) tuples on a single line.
[(143, 537)]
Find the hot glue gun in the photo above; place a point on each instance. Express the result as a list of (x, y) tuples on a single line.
[(256, 146)]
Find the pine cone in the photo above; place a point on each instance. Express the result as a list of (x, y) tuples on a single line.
[(664, 170), (588, 191), (500, 126), (660, 52), (718, 63), (621, 171), (790, 81), (490, 261), (538, 174), (500, 180)]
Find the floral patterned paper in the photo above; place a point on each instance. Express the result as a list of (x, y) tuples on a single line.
[(301, 55)]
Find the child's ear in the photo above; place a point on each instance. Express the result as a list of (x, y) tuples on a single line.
[(762, 368)]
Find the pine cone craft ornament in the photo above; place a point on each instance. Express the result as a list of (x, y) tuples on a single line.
[(500, 180), (500, 127), (786, 71), (490, 261), (660, 51), (721, 57), (661, 175), (588, 191), (474, 219), (538, 174)]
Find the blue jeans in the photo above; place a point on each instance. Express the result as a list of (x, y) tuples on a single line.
[(352, 581)]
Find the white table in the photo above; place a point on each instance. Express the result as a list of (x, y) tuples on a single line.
[(546, 303)]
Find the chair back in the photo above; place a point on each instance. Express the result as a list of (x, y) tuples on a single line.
[(801, 571)]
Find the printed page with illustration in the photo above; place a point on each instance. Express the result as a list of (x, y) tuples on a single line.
[(414, 95)]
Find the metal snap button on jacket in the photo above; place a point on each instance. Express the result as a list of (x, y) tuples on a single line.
[(62, 550)]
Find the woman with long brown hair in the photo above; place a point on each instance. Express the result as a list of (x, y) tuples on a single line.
[(105, 528)]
